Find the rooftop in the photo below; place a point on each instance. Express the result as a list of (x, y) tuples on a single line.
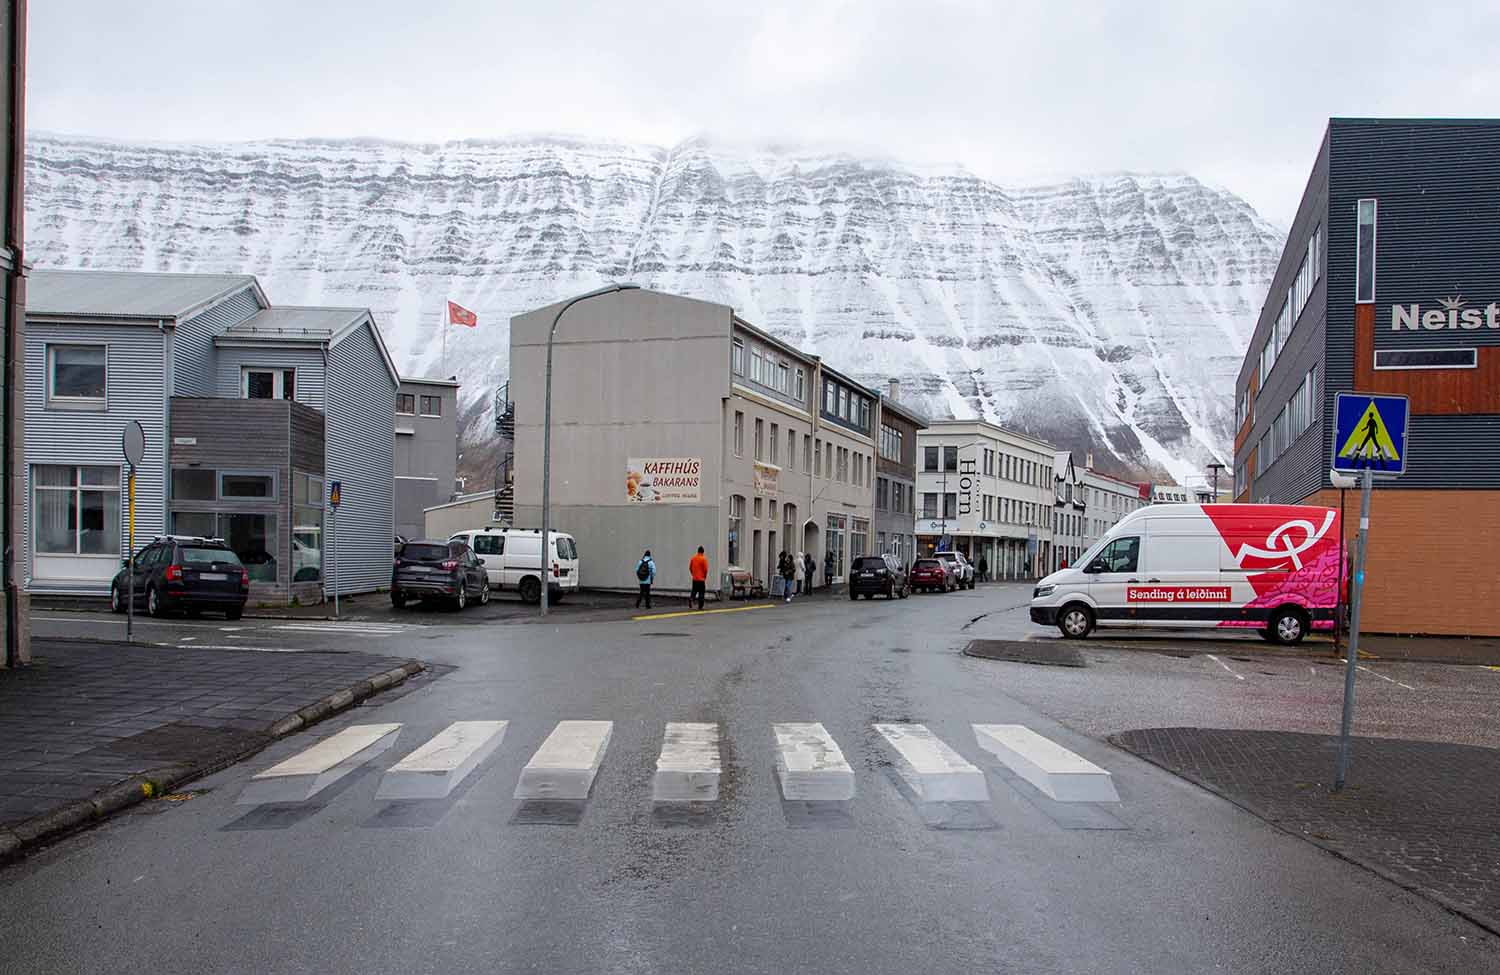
[(127, 294), (297, 322)]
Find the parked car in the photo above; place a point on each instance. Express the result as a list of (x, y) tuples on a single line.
[(963, 569), (429, 569), (929, 575), (184, 572), (1273, 568), (512, 559), (881, 574)]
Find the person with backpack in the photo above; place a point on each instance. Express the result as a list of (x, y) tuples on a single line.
[(698, 569), (788, 572), (645, 573)]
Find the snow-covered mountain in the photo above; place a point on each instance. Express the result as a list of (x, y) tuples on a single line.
[(1105, 313)]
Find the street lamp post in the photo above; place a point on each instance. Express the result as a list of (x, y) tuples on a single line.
[(1216, 468), (547, 429)]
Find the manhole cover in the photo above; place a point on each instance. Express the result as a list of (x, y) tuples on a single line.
[(1053, 653)]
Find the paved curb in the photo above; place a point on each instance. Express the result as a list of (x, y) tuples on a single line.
[(1490, 924), (16, 840)]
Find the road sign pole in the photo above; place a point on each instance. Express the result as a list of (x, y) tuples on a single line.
[(333, 538), (1355, 602), (130, 564)]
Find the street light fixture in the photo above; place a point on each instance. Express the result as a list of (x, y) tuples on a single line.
[(1216, 467), (547, 428)]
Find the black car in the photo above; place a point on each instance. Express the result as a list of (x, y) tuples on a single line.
[(184, 573), (429, 569), (881, 574)]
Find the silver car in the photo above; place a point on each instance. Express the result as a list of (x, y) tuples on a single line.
[(962, 568)]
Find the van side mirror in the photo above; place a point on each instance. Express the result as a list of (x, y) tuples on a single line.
[(1096, 566)]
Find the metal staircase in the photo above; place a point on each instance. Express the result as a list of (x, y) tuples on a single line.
[(505, 469)]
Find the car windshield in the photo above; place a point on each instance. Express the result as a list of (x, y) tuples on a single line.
[(194, 555), (417, 552)]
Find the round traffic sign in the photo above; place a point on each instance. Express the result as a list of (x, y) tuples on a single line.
[(133, 441)]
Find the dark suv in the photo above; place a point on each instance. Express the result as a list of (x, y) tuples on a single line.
[(188, 573), (445, 570), (873, 574)]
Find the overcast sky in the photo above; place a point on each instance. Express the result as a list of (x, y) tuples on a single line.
[(1236, 94)]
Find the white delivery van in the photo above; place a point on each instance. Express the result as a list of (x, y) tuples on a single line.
[(512, 559), (1274, 568)]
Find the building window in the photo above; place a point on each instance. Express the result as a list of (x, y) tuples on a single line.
[(783, 378), (1364, 254), (843, 410), (791, 449), (775, 441), (194, 484), (830, 399), (406, 404), (77, 510), (950, 505), (736, 527), (929, 458), (771, 511), (890, 442), (235, 486), (755, 508), (929, 505), (431, 405), (1426, 358), (760, 439), (737, 357), (864, 414), (801, 391), (950, 458), (739, 434), (307, 527), (76, 376), (253, 538), (757, 366), (818, 458), (807, 452), (882, 493), (859, 537), (262, 383)]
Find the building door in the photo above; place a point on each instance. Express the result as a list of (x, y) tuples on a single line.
[(755, 552), (771, 556)]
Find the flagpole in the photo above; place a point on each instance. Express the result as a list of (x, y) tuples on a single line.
[(442, 327)]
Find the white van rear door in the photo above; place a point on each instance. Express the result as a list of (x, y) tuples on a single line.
[(491, 551)]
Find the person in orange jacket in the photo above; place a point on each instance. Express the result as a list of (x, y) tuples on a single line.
[(698, 568)]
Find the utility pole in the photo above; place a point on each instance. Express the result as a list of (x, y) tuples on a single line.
[(1356, 600)]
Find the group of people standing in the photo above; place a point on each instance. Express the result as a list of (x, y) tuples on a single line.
[(796, 572)]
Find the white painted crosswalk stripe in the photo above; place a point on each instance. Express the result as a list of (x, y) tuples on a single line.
[(688, 767), (935, 772), (565, 765), (369, 629), (809, 763), (1056, 771), (443, 762), (317, 767)]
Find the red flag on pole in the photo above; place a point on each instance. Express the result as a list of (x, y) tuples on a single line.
[(459, 315)]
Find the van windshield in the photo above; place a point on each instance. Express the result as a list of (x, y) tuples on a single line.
[(1091, 554)]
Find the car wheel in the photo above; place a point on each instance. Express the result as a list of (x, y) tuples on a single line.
[(531, 590), (1076, 621), (461, 600), (116, 599), (153, 603), (1288, 626), (234, 613), (484, 595)]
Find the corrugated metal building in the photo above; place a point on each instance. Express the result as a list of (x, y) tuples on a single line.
[(1390, 283), (108, 347)]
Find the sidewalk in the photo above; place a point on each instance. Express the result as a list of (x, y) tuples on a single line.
[(1420, 814), (90, 728)]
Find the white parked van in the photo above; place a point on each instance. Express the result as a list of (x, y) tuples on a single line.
[(512, 560), (1270, 567)]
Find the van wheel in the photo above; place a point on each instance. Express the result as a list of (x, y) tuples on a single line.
[(1288, 625), (531, 590), (1076, 621)]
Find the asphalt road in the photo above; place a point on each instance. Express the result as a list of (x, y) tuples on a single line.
[(1170, 879)]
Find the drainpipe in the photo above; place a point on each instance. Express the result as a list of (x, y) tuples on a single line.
[(15, 234)]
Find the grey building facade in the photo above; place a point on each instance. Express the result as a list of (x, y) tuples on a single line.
[(426, 459), (678, 424), (896, 478), (248, 409), (1390, 283)]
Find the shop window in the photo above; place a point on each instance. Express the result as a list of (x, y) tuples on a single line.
[(194, 484), (253, 538), (246, 487), (77, 510), (307, 527)]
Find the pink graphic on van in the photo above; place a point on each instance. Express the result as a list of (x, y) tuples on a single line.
[(1296, 550)]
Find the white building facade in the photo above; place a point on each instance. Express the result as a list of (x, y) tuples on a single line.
[(1108, 499), (987, 492)]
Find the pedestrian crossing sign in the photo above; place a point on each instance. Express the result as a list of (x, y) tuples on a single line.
[(1370, 434)]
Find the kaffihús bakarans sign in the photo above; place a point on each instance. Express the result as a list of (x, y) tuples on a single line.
[(664, 480)]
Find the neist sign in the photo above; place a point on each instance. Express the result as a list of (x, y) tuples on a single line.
[(1454, 314)]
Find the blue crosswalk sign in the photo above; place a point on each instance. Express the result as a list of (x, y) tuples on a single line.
[(1369, 433)]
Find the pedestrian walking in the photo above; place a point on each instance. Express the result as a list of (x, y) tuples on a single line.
[(828, 569), (645, 574), (788, 573), (810, 567), (698, 569), (801, 567), (984, 569)]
